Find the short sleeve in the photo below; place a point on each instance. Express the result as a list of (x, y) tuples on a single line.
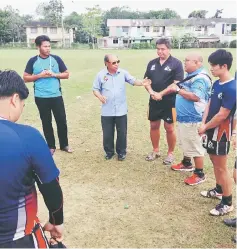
[(61, 65), (179, 72), (129, 78), (147, 72), (199, 88), (229, 98), (97, 83), (41, 159), (29, 66)]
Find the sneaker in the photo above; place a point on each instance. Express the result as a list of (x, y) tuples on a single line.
[(211, 193), (181, 167), (194, 179), (230, 222), (221, 209), (169, 159), (121, 157), (109, 156)]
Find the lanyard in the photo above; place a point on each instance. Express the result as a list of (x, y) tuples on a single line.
[(50, 63)]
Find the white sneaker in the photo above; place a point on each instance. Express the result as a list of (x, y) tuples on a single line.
[(221, 209), (211, 193)]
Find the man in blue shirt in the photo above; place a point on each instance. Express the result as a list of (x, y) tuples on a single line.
[(24, 160), (46, 70), (191, 100), (217, 124), (109, 88)]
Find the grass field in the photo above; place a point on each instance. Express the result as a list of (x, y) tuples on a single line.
[(162, 211)]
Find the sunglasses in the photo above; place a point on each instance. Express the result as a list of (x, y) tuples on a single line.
[(115, 62)]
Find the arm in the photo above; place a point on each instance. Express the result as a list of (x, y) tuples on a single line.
[(62, 76), (188, 95), (30, 78), (97, 87), (178, 76), (99, 96), (218, 118), (205, 114)]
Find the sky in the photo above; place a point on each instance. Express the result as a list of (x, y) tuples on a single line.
[(183, 8)]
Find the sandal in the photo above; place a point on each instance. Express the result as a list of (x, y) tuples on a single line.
[(152, 156), (169, 159), (67, 149)]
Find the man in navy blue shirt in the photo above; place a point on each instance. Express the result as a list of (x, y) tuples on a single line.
[(24, 160), (217, 124), (46, 71), (109, 88)]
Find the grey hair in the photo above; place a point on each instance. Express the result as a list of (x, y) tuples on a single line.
[(106, 58)]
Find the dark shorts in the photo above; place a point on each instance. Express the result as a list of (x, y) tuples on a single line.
[(158, 111), (35, 240), (216, 148)]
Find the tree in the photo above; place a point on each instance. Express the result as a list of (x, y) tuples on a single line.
[(162, 14), (198, 14), (51, 11), (74, 20), (92, 21), (218, 14)]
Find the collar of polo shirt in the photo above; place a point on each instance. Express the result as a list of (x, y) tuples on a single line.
[(118, 71)]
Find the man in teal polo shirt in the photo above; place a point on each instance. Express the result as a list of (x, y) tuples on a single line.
[(46, 71)]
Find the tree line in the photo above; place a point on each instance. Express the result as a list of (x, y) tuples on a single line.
[(88, 26)]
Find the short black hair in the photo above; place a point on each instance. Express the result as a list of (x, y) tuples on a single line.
[(11, 83), (164, 41), (221, 57), (40, 39)]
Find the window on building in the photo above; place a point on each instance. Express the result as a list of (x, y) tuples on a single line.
[(233, 27), (147, 29), (125, 41), (53, 30), (115, 41), (33, 30), (198, 28), (156, 29), (223, 28), (44, 30), (125, 29)]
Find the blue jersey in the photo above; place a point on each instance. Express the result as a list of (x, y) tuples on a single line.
[(222, 95), (24, 155), (189, 111), (46, 87)]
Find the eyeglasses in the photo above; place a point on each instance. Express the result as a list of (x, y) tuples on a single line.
[(115, 62)]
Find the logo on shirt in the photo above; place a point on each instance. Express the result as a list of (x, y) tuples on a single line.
[(153, 67), (105, 78), (167, 69), (220, 95)]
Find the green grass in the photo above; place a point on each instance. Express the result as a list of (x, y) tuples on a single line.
[(162, 211)]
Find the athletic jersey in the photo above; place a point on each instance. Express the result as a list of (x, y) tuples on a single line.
[(46, 87), (189, 111), (24, 155), (222, 95)]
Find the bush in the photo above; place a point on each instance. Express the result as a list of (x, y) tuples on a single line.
[(175, 42), (222, 45), (233, 44)]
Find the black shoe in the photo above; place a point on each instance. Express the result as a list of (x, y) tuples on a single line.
[(121, 157), (109, 156), (230, 222)]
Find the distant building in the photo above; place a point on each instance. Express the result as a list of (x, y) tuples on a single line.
[(35, 28), (124, 32)]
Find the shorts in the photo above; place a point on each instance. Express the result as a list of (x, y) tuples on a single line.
[(189, 140), (158, 111), (215, 147), (35, 240)]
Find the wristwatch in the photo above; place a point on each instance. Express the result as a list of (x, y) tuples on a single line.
[(177, 89)]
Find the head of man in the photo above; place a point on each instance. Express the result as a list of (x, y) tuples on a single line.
[(220, 62), (43, 44), (111, 62), (163, 47), (13, 92), (193, 62)]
